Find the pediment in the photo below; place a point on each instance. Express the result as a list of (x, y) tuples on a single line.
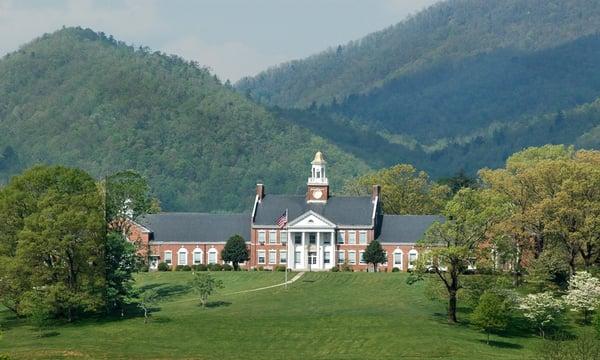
[(311, 219)]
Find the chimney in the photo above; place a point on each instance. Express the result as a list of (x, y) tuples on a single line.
[(376, 193), (260, 191)]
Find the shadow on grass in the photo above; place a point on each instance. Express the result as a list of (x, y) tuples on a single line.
[(502, 344), (216, 304), (47, 334), (165, 290)]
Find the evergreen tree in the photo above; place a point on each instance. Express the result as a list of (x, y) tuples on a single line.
[(235, 251), (374, 254)]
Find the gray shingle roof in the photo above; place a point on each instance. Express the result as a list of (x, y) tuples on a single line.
[(341, 210), (196, 227), (405, 228)]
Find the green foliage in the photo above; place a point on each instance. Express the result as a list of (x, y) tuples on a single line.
[(550, 271), (89, 101), (183, 268), (163, 266), (205, 285), (37, 309), (127, 196), (145, 300), (403, 190), (374, 254), (52, 233), (235, 251), (120, 262), (491, 314)]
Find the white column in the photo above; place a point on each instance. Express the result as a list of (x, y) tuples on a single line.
[(303, 254), (319, 251), (333, 249), (289, 255)]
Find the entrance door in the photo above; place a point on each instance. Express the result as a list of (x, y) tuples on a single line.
[(312, 258), (153, 262)]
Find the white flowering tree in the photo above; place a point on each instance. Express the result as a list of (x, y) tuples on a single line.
[(541, 310), (583, 294)]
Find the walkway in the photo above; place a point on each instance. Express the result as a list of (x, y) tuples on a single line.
[(294, 279)]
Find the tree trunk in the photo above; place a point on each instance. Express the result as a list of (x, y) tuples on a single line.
[(145, 315), (236, 266), (452, 306), (488, 337)]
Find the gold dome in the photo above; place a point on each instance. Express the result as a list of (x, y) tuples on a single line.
[(319, 159)]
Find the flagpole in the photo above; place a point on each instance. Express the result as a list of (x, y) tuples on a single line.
[(287, 247)]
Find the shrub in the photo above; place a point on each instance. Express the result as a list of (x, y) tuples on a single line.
[(261, 268), (200, 267), (542, 310), (491, 313), (335, 269), (186, 268), (395, 269), (163, 266), (215, 267), (227, 267), (281, 268)]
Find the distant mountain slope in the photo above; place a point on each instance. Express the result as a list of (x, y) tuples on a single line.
[(445, 32), (460, 85), (80, 98)]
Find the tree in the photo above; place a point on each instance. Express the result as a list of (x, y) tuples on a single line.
[(491, 313), (541, 310), (583, 294), (52, 229), (455, 244), (146, 300), (120, 262), (204, 285), (37, 309), (459, 181), (403, 190), (374, 254), (235, 251)]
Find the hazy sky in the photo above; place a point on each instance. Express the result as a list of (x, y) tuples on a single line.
[(233, 37)]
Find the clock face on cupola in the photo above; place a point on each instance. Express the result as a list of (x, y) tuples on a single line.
[(318, 185)]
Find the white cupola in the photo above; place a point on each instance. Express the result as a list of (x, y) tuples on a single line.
[(318, 174)]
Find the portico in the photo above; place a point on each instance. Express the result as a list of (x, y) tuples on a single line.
[(310, 243)]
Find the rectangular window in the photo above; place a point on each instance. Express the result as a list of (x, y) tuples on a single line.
[(312, 238), (212, 257), (283, 257), (182, 257), (272, 237), (261, 237), (297, 257), (412, 259), (341, 257), (351, 257), (197, 257), (261, 256), (326, 238), (340, 237), (327, 257), (283, 237), (362, 238), (385, 254), (352, 237), (398, 258), (168, 257), (298, 238), (272, 257), (362, 257)]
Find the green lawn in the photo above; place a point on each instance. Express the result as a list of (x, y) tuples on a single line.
[(321, 316)]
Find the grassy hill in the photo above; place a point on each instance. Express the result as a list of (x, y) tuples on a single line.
[(81, 98), (433, 89), (323, 315)]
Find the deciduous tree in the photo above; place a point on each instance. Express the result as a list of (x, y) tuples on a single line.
[(491, 313), (205, 285)]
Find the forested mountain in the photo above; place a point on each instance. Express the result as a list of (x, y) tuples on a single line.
[(462, 84), (80, 98)]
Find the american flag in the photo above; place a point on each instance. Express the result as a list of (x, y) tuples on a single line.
[(282, 220)]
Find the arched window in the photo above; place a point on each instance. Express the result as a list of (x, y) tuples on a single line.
[(197, 256), (212, 256), (182, 256), (398, 254), (413, 255)]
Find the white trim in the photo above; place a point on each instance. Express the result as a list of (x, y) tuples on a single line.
[(189, 243), (360, 233), (272, 252), (264, 256), (394, 264), (171, 259), (349, 260), (283, 252), (311, 213), (179, 258), (197, 251), (361, 259), (412, 252), (212, 251), (264, 233), (274, 240), (374, 209), (254, 208)]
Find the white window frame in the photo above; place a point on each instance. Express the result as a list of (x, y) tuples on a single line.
[(272, 256), (297, 257), (361, 257), (170, 259), (283, 256), (351, 255), (180, 258), (362, 238), (261, 254), (341, 259), (261, 236), (214, 252), (325, 236), (196, 252), (385, 253), (273, 237), (341, 235), (325, 260), (283, 237), (412, 252), (352, 237), (401, 264), (297, 236)]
